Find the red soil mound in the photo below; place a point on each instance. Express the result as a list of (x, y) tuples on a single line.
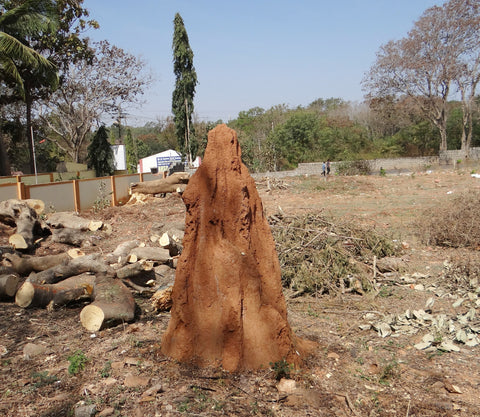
[(228, 306)]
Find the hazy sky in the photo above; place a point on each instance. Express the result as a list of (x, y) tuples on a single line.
[(255, 53)]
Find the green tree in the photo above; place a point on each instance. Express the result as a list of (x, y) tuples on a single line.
[(17, 23), (100, 154), (296, 138), (60, 42), (30, 18), (184, 92), (130, 152)]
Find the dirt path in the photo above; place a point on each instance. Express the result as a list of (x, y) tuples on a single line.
[(353, 372)]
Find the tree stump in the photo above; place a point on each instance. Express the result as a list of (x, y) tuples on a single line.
[(228, 306)]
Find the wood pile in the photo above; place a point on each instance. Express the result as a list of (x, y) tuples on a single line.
[(106, 281)]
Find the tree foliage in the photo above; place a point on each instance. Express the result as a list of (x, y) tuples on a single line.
[(185, 84), (58, 41), (441, 49), (90, 91), (100, 154), (17, 25)]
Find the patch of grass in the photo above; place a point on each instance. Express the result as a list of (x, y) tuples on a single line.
[(388, 372), (199, 402), (42, 379), (385, 292), (282, 369), (77, 360), (107, 368), (311, 312)]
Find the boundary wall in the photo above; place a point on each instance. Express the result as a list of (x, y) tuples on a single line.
[(73, 195), (446, 160), (86, 191)]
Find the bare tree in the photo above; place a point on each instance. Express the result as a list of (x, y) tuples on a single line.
[(89, 92), (421, 66), (464, 18)]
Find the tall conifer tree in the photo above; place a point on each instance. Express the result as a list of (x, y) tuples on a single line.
[(186, 81), (100, 155)]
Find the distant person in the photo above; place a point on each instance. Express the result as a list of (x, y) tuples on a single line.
[(328, 167), (323, 168)]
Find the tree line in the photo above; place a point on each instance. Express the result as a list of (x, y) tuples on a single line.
[(420, 96)]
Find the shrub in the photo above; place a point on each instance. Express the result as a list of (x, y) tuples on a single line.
[(454, 224)]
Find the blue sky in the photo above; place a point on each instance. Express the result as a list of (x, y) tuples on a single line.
[(255, 53)]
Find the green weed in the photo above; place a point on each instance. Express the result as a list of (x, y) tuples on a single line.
[(282, 369), (78, 360)]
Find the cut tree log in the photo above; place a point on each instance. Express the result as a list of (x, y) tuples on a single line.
[(130, 270), (173, 183), (20, 214), (72, 237), (18, 241), (113, 303), (77, 266), (164, 275), (31, 294), (23, 265), (6, 270), (171, 240), (121, 252), (72, 221), (8, 285), (159, 228), (158, 255)]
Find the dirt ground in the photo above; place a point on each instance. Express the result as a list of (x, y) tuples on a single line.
[(353, 372)]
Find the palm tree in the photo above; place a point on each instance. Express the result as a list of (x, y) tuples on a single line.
[(29, 18)]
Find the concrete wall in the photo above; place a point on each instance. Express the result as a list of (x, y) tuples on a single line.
[(8, 191), (457, 156), (76, 194), (95, 192), (447, 160), (57, 196)]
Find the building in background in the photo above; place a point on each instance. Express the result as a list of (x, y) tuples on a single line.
[(159, 162), (120, 158)]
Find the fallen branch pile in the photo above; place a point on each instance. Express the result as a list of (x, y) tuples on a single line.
[(318, 256)]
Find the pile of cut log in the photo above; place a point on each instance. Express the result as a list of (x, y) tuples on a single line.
[(107, 281), (174, 183)]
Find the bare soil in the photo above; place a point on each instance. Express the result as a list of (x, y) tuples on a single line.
[(353, 372)]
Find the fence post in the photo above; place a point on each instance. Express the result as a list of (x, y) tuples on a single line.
[(21, 191), (140, 178), (114, 191), (76, 195)]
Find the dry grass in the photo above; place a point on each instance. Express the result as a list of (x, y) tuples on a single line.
[(456, 224)]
